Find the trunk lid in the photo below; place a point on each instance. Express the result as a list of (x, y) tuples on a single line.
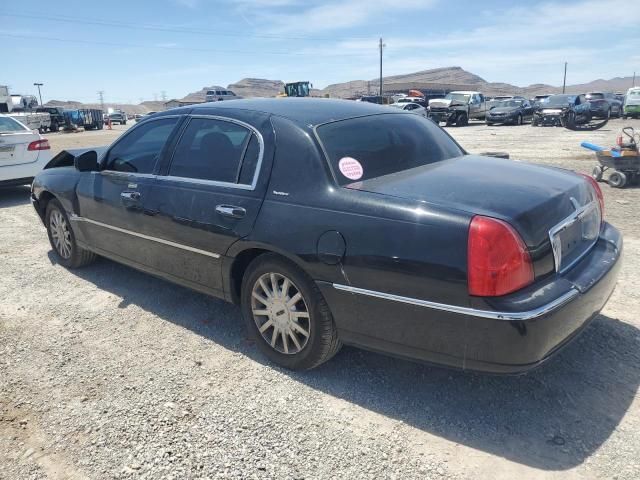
[(532, 198), (14, 148)]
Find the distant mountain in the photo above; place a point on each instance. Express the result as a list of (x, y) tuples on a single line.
[(257, 87), (457, 78)]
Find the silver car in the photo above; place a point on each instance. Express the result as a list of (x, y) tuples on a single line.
[(412, 107)]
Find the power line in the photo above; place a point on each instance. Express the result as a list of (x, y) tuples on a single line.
[(178, 48), (170, 28)]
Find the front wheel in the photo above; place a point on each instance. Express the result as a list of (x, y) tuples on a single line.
[(62, 238), (519, 120), (597, 172), (287, 315)]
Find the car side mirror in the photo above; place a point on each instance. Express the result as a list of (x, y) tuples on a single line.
[(87, 162)]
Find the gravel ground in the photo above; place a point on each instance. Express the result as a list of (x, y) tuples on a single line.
[(106, 372)]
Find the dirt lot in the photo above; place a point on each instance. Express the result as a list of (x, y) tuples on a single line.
[(109, 373)]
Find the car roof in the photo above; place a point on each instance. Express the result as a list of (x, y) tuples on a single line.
[(308, 111)]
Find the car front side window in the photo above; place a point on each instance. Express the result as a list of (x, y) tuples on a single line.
[(211, 149), (139, 151)]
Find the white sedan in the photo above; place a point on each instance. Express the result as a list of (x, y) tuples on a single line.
[(412, 107), (23, 152)]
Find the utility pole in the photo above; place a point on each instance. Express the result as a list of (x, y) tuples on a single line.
[(40, 94), (101, 97), (382, 45), (634, 79), (564, 82)]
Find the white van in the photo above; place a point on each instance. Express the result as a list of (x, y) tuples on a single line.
[(220, 94), (632, 103)]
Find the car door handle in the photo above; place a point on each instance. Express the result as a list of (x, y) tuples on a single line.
[(135, 196), (231, 211)]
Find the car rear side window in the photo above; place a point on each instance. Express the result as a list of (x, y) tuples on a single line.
[(8, 124), (139, 150), (369, 147), (213, 150)]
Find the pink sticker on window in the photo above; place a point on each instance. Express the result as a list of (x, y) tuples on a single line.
[(350, 168)]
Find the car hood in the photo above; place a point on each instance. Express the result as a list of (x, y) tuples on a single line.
[(503, 110), (530, 197), (439, 102)]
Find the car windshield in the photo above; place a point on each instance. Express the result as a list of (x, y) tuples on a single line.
[(560, 100), (634, 93), (374, 146), (458, 97), (8, 125), (595, 96), (509, 103)]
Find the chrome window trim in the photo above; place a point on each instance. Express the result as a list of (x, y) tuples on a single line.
[(494, 315), (566, 223), (217, 183), (77, 218)]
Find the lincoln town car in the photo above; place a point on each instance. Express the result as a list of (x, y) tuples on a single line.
[(332, 222)]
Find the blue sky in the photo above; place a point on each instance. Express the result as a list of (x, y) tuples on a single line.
[(180, 46)]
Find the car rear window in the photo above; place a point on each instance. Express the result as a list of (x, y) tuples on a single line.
[(595, 96), (8, 124), (373, 146)]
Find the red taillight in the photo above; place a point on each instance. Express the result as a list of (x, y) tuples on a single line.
[(598, 191), (498, 261), (39, 145)]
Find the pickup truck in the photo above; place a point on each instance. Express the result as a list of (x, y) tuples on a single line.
[(457, 108), (56, 114)]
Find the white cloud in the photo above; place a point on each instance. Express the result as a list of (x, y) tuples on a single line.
[(324, 16)]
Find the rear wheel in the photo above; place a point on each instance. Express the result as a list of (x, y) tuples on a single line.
[(287, 315), (62, 239), (617, 179)]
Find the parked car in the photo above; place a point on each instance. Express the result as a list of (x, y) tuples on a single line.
[(515, 111), (538, 99), (413, 107), (563, 110), (118, 117), (604, 104), (457, 108), (23, 152), (335, 222), (220, 94), (632, 103), (57, 117)]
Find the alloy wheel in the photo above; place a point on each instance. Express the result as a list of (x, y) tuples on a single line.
[(60, 233), (280, 313)]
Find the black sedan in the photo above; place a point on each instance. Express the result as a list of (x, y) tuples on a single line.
[(514, 111), (562, 110), (334, 222)]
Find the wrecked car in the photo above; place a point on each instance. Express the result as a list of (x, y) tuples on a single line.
[(563, 111), (457, 108)]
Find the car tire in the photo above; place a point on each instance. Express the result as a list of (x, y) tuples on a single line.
[(488, 122), (519, 120), (62, 239), (462, 120), (597, 172), (53, 127), (310, 314), (617, 179)]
